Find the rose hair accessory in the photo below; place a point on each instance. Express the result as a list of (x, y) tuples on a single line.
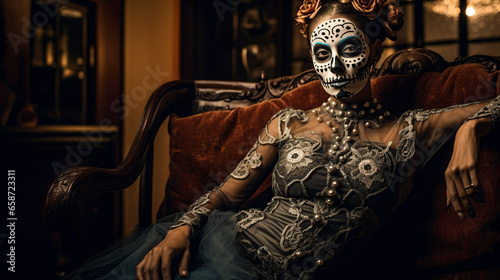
[(306, 13), (387, 13)]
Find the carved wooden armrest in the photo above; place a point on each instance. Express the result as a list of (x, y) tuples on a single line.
[(76, 186)]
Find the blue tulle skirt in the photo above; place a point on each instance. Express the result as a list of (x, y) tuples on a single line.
[(216, 256)]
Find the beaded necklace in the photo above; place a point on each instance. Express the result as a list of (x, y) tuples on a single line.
[(351, 114), (348, 116)]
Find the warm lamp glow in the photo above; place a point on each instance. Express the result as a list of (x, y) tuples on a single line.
[(470, 11), (450, 8)]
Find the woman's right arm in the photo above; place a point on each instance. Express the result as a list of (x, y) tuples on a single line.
[(230, 195)]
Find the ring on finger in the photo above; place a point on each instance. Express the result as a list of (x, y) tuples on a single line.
[(470, 186)]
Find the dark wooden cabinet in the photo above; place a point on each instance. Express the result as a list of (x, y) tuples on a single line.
[(237, 40), (37, 155), (87, 134), (67, 82)]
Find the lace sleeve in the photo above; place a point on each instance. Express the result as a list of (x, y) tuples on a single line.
[(491, 110), (423, 132), (196, 215), (244, 180), (438, 125)]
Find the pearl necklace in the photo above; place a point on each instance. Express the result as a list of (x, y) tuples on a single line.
[(351, 114), (348, 116)]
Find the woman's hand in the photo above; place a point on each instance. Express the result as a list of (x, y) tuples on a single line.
[(157, 262), (461, 177)]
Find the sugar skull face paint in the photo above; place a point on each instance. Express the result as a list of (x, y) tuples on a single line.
[(340, 55)]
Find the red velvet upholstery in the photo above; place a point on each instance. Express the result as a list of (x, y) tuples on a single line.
[(204, 155), (423, 233)]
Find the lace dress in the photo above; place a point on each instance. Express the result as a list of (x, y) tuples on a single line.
[(330, 192)]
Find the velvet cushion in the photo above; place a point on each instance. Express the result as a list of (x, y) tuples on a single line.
[(206, 147)]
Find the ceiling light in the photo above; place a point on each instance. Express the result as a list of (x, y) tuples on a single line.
[(450, 8)]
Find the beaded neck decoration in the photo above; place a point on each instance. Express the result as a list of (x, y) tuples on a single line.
[(349, 115), (344, 124)]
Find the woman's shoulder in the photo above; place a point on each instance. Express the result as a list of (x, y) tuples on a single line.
[(286, 116), (279, 125), (289, 113)]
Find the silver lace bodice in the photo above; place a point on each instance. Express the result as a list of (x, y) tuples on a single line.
[(299, 228)]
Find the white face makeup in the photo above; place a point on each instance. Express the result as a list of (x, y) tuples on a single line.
[(340, 55)]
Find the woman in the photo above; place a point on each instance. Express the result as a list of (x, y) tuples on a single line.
[(338, 170)]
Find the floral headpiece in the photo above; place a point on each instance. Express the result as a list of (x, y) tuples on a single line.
[(386, 12), (306, 13)]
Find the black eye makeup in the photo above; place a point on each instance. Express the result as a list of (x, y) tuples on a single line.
[(350, 47), (322, 52)]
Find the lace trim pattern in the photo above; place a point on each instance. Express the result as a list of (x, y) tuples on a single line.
[(305, 240), (196, 215), (406, 147), (250, 217), (252, 160), (371, 166), (492, 110), (285, 116), (297, 154), (421, 115)]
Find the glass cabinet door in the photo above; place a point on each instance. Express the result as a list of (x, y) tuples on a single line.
[(62, 60)]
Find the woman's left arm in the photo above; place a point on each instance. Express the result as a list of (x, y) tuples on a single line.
[(461, 176), (468, 123)]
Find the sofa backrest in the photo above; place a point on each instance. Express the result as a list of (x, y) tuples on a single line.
[(205, 147)]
